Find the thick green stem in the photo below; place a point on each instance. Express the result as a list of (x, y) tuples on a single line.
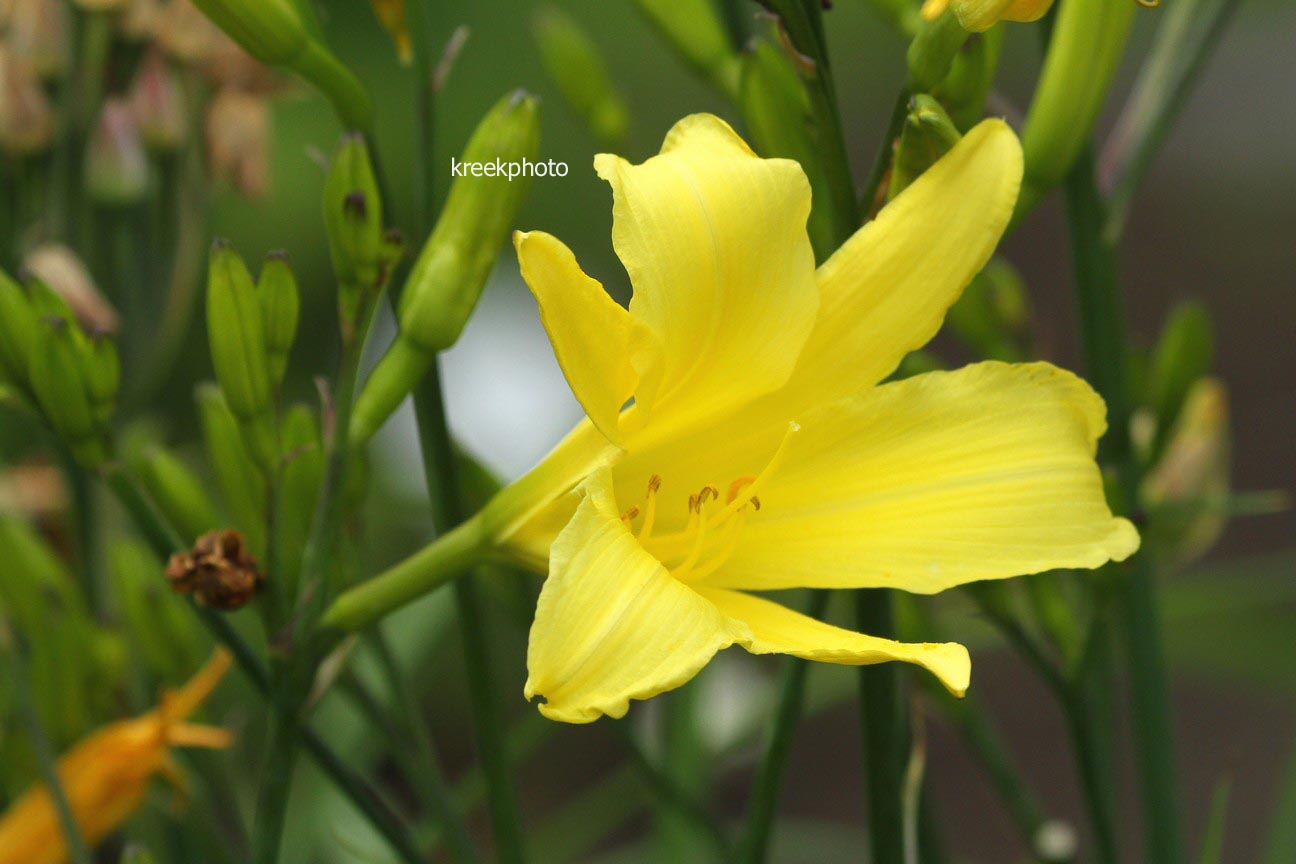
[(769, 774), (443, 487), (1102, 323), (886, 737)]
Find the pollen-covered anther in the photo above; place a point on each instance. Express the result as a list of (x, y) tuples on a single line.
[(755, 502), (630, 515)]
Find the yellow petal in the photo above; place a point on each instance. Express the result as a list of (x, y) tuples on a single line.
[(714, 240), (779, 630), (935, 481), (884, 293), (590, 333), (1026, 10), (612, 624)]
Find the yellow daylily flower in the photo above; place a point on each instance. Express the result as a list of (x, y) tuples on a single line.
[(759, 450), (977, 16), (107, 773)]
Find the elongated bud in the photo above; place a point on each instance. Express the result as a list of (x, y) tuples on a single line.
[(1084, 51), (237, 339), (102, 368), (696, 31), (26, 116), (242, 486), (280, 305), (302, 474), (1183, 355), (17, 330), (776, 109), (57, 378), (931, 53), (574, 64), (966, 87), (926, 136), (353, 220), (158, 103), (447, 280), (116, 167), (38, 31), (273, 32), (176, 491), (992, 314), (59, 268), (237, 135)]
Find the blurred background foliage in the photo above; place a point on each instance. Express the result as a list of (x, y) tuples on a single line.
[(1213, 223)]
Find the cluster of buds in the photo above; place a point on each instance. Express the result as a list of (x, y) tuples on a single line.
[(452, 268), (251, 328), (71, 371)]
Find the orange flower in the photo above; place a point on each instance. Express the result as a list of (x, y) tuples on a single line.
[(106, 775)]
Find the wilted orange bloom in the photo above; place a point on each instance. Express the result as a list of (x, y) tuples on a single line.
[(106, 775)]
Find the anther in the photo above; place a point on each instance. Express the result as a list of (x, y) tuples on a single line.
[(755, 502), (629, 516), (695, 504), (654, 483), (707, 493)]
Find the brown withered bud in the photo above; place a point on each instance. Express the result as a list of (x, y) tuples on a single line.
[(218, 571)]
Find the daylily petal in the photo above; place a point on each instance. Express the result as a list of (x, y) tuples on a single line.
[(779, 630), (935, 481), (885, 292), (612, 624), (590, 333), (714, 240)]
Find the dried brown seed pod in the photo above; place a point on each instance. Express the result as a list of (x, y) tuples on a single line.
[(219, 571)]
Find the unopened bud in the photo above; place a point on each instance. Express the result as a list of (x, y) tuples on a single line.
[(391, 14), (280, 304), (694, 28), (237, 131), (236, 336), (299, 486), (58, 380), (158, 102), (26, 116), (931, 53), (159, 624), (117, 169), (38, 30), (17, 330), (1085, 48), (176, 491), (273, 32), (219, 571), (967, 86), (353, 220), (242, 486), (926, 136), (993, 313), (573, 62), (183, 32), (448, 277), (103, 378), (59, 268), (1183, 355), (980, 15)]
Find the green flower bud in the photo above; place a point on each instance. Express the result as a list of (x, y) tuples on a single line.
[(102, 367), (299, 486), (776, 109), (17, 330), (237, 339), (178, 493), (274, 32), (48, 303), (158, 102), (1183, 355), (932, 52), (966, 87), (116, 167), (573, 62), (280, 305), (57, 378), (926, 136), (448, 277), (353, 220), (1084, 51), (242, 486), (695, 29)]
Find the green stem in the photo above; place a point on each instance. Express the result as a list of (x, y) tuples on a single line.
[(1088, 721), (886, 744), (1102, 324), (11, 644), (443, 487), (769, 774), (164, 541)]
